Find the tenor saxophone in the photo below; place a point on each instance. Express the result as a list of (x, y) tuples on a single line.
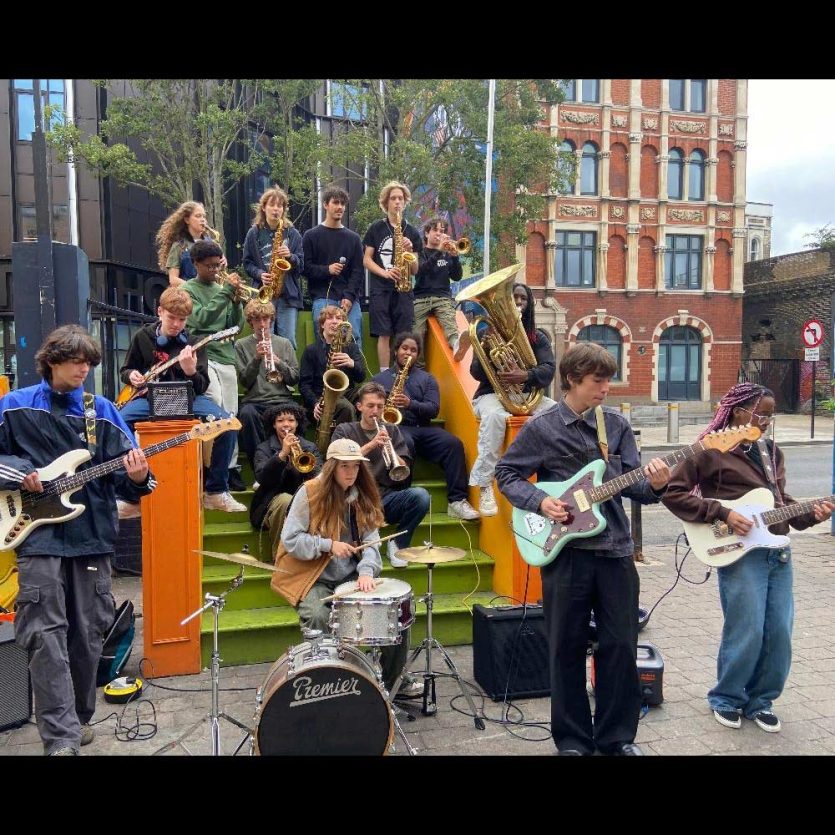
[(335, 384), (402, 259)]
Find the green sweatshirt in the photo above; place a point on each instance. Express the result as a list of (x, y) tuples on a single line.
[(214, 311)]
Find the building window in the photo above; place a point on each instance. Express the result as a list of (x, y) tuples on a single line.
[(589, 90), (696, 176), (680, 364), (588, 169), (52, 92), (567, 166), (675, 175), (26, 225), (688, 94), (28, 228), (574, 266), (683, 262), (345, 101), (755, 249), (607, 337)]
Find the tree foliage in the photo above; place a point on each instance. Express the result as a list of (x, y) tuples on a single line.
[(821, 238)]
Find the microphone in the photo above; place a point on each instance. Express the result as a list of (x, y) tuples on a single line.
[(342, 259)]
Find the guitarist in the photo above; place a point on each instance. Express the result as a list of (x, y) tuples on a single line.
[(65, 604), (755, 591), (166, 339), (595, 573)]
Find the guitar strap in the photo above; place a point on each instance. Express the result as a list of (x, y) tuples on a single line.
[(765, 460), (90, 422), (601, 433)]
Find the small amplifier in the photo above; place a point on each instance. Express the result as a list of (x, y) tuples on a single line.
[(173, 400), (510, 652), (15, 686), (651, 674)]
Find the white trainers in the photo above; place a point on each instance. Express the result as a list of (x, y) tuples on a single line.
[(487, 502), (395, 561), (222, 501), (461, 509)]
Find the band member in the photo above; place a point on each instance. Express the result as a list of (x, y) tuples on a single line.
[(267, 367), (275, 470), (403, 506), (333, 262), (175, 238), (756, 590), (488, 408), (315, 361), (438, 265), (594, 573), (258, 252), (65, 605), (216, 307), (419, 402), (322, 546), (158, 342), (390, 310)]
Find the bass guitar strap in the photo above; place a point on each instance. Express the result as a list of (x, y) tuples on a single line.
[(90, 422), (602, 441)]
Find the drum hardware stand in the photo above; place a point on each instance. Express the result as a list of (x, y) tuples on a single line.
[(216, 603), (429, 643), (378, 671)]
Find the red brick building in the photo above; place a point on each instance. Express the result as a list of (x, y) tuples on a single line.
[(645, 255)]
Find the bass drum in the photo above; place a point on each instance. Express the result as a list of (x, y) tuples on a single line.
[(322, 700)]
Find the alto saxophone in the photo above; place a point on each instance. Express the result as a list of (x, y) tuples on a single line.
[(391, 414), (279, 267), (402, 259), (335, 383)]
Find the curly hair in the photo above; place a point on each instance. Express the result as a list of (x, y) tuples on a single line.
[(386, 190), (274, 193), (174, 228), (256, 309), (327, 508), (272, 412), (66, 343)]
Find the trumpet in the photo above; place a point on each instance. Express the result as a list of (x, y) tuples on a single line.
[(273, 374), (243, 292), (302, 461), (397, 470), (462, 246)]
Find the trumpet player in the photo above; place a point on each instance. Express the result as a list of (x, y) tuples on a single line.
[(391, 311), (267, 368), (275, 468), (258, 252), (403, 506)]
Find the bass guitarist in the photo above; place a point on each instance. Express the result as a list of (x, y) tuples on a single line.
[(594, 573)]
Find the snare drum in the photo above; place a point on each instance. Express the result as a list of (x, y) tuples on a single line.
[(322, 700), (373, 618)]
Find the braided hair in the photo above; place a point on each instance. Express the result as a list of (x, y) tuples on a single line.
[(742, 394)]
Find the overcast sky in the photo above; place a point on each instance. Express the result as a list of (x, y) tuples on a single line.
[(791, 156)]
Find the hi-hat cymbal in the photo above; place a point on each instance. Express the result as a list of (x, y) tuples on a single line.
[(431, 554), (240, 559)]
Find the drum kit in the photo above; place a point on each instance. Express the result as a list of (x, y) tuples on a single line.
[(325, 695)]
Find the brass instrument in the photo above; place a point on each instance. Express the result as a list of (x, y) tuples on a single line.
[(335, 383), (391, 414), (273, 374), (505, 347), (302, 461), (402, 259), (279, 267), (243, 292), (462, 246), (397, 470)]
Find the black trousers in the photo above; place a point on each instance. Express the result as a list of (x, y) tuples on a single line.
[(440, 447), (576, 582)]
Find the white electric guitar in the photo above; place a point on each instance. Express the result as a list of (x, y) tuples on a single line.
[(715, 543)]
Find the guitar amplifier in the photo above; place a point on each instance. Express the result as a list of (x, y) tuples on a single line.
[(650, 674), (173, 400), (15, 686), (510, 652)]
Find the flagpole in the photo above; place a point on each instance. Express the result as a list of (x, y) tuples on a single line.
[(488, 180)]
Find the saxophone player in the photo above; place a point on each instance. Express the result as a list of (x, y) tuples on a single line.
[(391, 249), (419, 401), (258, 251), (314, 362)]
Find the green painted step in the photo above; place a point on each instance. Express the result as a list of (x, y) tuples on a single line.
[(255, 636)]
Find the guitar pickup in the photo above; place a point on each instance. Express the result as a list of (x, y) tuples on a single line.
[(581, 500), (724, 549)]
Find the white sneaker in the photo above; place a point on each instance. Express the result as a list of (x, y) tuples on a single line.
[(222, 501), (487, 502), (461, 509), (395, 561)]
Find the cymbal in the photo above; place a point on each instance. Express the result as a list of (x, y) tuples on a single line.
[(431, 554), (240, 559)]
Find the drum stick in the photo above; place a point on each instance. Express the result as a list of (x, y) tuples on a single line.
[(378, 541), (377, 584)]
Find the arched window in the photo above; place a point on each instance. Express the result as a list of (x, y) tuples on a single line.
[(607, 337), (567, 166), (588, 169), (675, 175), (680, 364), (755, 249), (696, 176)]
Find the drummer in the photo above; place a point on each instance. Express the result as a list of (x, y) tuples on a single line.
[(342, 505)]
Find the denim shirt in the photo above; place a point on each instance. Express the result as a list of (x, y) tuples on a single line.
[(555, 444)]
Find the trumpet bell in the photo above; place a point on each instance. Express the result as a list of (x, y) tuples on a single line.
[(463, 246), (304, 462)]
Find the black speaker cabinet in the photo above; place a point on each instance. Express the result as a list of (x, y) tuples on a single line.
[(15, 687), (172, 400), (510, 652)]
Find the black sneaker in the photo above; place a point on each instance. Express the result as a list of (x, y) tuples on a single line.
[(728, 718), (766, 720), (236, 483)]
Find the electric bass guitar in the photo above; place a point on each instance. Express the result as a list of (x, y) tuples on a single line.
[(540, 539), (21, 511), (716, 544), (130, 392)]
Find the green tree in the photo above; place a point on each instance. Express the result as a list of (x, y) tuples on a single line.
[(822, 238)]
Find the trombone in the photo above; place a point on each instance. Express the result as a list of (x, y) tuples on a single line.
[(397, 470)]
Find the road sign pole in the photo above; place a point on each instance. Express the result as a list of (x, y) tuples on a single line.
[(814, 404)]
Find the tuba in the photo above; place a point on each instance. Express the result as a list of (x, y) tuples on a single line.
[(335, 383), (402, 259), (391, 414), (279, 267), (505, 347)]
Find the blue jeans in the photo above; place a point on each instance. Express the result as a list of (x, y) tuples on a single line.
[(354, 317), (217, 480), (405, 509), (285, 320), (756, 650)]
